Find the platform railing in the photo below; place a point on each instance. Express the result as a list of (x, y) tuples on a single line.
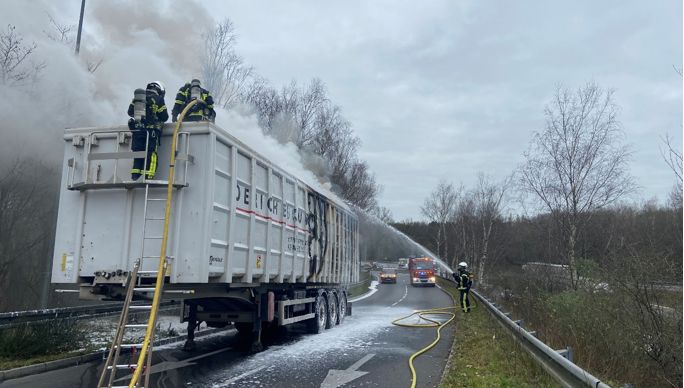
[(123, 137)]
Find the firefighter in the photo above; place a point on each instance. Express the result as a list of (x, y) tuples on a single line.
[(463, 279), (148, 115), (203, 111)]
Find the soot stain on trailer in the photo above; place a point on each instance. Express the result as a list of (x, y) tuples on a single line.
[(316, 222)]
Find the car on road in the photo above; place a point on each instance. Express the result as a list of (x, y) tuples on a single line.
[(388, 275)]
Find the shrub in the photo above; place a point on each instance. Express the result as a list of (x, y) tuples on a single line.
[(41, 339)]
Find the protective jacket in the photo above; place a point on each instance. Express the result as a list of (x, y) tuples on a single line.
[(147, 135), (463, 280), (198, 112)]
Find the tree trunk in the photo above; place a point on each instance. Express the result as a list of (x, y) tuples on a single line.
[(445, 242), (486, 231), (572, 241)]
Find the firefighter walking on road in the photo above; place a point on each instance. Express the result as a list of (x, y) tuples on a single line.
[(464, 281), (148, 114), (204, 111)]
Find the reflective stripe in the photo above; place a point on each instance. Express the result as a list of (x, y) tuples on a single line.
[(153, 165), (180, 102), (463, 302), (136, 171)]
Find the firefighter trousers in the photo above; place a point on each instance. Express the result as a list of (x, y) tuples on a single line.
[(139, 142), (464, 301)]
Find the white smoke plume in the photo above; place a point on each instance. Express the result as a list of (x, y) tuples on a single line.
[(241, 122), (137, 42)]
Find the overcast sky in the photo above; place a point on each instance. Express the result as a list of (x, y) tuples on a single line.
[(447, 89), (434, 89)]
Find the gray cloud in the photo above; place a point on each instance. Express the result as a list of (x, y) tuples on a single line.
[(444, 89)]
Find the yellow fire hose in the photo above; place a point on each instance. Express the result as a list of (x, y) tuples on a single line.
[(424, 315), (149, 334)]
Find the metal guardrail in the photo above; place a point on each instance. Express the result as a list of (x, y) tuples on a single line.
[(18, 318), (553, 361)]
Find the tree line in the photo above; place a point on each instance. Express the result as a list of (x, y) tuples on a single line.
[(29, 188), (302, 114), (580, 264)]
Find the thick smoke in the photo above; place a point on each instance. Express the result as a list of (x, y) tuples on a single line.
[(242, 123), (136, 42)]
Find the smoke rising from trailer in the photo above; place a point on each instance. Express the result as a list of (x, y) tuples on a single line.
[(136, 42), (242, 123)]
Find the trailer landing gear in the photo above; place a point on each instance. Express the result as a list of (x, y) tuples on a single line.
[(192, 325)]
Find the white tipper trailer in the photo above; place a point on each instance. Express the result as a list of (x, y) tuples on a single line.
[(249, 243)]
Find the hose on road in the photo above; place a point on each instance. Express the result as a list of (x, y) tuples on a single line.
[(424, 315)]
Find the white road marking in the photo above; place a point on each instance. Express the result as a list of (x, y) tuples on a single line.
[(170, 365), (336, 377), (240, 377), (373, 289), (402, 298)]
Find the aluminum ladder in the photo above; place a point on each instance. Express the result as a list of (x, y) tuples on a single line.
[(134, 285), (145, 355)]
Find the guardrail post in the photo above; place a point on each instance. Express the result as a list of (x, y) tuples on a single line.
[(629, 385), (533, 333), (519, 322), (567, 353)]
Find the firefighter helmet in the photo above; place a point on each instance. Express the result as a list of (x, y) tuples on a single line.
[(158, 87), (463, 265)]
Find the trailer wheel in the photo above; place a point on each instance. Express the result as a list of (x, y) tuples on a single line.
[(332, 311), (319, 322), (341, 307)]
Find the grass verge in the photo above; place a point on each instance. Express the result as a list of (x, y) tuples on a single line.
[(31, 344), (361, 287), (484, 355)]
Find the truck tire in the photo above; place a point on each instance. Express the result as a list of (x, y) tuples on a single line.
[(332, 311), (341, 307), (318, 323)]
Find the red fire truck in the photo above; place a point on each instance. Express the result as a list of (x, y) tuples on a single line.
[(422, 271)]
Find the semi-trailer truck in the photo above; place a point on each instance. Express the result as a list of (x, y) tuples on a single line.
[(249, 242)]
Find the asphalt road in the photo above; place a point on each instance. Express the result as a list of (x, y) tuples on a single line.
[(365, 351)]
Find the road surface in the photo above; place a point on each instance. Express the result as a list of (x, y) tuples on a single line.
[(365, 351)]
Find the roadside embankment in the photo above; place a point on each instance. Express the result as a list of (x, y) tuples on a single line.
[(483, 355)]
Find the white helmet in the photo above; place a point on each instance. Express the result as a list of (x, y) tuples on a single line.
[(463, 265), (158, 87)]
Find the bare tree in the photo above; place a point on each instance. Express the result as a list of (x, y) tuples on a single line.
[(383, 214), (15, 64), (465, 227), (488, 197), (359, 186), (27, 210), (439, 208), (58, 32), (577, 165), (309, 101), (673, 158), (223, 70)]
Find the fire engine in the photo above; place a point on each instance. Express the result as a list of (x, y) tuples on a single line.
[(422, 271)]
